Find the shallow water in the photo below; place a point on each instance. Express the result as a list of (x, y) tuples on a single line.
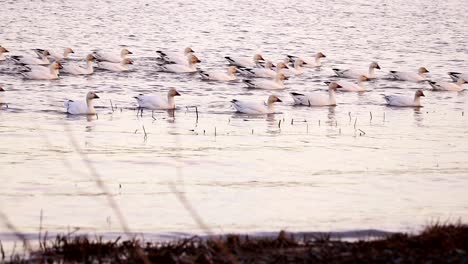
[(360, 165)]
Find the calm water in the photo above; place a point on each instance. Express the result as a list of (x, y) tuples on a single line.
[(316, 171)]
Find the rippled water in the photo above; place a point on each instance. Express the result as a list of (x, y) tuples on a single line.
[(355, 166)]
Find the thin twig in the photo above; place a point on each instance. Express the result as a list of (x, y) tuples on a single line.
[(112, 106)]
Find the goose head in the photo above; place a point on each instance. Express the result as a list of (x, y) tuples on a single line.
[(374, 65), (173, 92), (188, 50), (232, 70), (127, 61), (192, 59), (422, 70), (282, 65), (281, 77), (273, 99), (419, 93), (90, 57), (91, 95), (461, 81), (320, 55), (3, 50), (333, 85), (45, 53), (299, 63), (68, 51), (56, 65), (125, 52), (268, 65), (258, 57)]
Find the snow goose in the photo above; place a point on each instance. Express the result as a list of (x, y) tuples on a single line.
[(115, 66), (410, 76), (317, 98), (347, 86), (112, 57), (29, 60), (78, 70), (446, 86), (245, 62), (179, 58), (158, 102), (404, 101), (82, 107), (276, 84), (352, 73), (310, 62), (56, 55), (230, 75), (457, 75), (256, 108), (296, 70), (191, 66), (2, 55), (36, 72), (266, 71)]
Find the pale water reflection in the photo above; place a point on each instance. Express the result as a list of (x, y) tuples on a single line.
[(358, 165)]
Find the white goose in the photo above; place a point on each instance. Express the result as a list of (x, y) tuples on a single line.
[(297, 70), (256, 108), (410, 76), (457, 75), (310, 62), (78, 70), (276, 84), (347, 86), (245, 62), (2, 53), (80, 107), (404, 101), (191, 66), (352, 73), (29, 60), (446, 86), (266, 71), (230, 75), (158, 102), (115, 66), (112, 57), (43, 73), (56, 55), (178, 58), (317, 98)]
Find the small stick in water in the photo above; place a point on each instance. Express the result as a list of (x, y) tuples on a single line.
[(252, 131), (292, 121), (370, 116), (319, 122), (112, 106), (279, 123), (215, 131), (362, 133), (196, 112), (152, 115), (355, 121), (384, 116), (349, 114), (146, 136), (307, 128)]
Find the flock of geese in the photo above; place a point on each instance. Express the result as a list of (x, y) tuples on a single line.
[(259, 73)]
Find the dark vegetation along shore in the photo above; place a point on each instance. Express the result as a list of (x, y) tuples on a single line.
[(436, 244)]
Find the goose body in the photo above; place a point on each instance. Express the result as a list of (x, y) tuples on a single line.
[(29, 60), (82, 107), (255, 108), (353, 73), (446, 86), (310, 62), (158, 102), (347, 86), (115, 66), (457, 75), (404, 101), (317, 98), (275, 84), (190, 66), (178, 58), (78, 70), (245, 62), (230, 75), (112, 57), (36, 72), (2, 53), (410, 76)]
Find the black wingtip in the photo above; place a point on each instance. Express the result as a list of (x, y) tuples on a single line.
[(234, 100), (296, 94), (392, 71), (453, 73), (336, 69)]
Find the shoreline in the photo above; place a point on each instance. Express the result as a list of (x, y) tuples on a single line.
[(441, 243)]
